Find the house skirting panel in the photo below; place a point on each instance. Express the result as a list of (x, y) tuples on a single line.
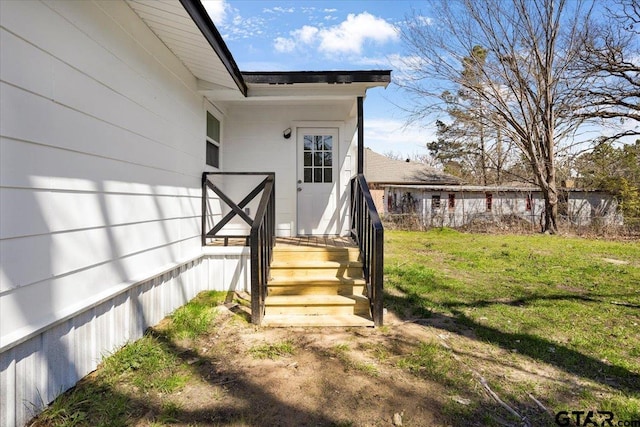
[(37, 369)]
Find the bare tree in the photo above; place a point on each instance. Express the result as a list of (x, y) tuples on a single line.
[(525, 84), (610, 56)]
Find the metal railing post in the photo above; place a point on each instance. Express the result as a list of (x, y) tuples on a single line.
[(369, 235)]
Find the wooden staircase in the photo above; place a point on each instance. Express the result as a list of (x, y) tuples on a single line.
[(316, 286)]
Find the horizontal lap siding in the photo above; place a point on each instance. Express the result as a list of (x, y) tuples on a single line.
[(101, 152), (259, 129), (101, 155), (101, 158)]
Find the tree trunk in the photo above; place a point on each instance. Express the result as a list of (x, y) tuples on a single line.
[(550, 193), (550, 216), (483, 155)]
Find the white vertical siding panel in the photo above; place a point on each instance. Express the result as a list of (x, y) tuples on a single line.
[(103, 322), (145, 299), (215, 274), (58, 360), (228, 272), (138, 320), (153, 301), (193, 280), (121, 320), (45, 365), (87, 354), (30, 379), (8, 387)]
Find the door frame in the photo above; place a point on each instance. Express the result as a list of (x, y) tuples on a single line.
[(339, 154)]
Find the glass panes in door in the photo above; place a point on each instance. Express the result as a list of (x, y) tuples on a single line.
[(318, 158)]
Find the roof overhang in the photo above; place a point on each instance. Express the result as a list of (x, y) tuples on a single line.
[(313, 85), (187, 30), (373, 77), (185, 27)]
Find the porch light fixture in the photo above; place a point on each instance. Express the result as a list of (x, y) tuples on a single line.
[(287, 133)]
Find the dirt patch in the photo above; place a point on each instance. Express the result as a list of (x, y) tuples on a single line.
[(615, 261), (333, 377), (347, 377)]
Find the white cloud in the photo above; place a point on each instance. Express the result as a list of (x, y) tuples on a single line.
[(350, 35), (278, 9), (237, 27), (330, 10), (306, 34), (425, 20), (283, 45), (347, 37), (217, 10)]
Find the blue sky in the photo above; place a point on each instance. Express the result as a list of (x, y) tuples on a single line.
[(312, 35)]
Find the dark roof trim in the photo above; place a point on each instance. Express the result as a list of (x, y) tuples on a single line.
[(201, 18), (333, 77)]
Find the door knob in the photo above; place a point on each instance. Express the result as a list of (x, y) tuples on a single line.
[(299, 189), (299, 181)]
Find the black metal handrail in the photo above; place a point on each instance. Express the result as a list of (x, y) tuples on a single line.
[(367, 231), (262, 243), (261, 237)]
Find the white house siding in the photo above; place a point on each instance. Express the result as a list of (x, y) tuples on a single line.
[(101, 151), (584, 206), (471, 205), (258, 129)]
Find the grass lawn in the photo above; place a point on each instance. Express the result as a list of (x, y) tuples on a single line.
[(482, 330), (568, 303)]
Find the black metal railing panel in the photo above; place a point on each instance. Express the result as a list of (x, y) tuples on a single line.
[(261, 235), (262, 242), (367, 231)]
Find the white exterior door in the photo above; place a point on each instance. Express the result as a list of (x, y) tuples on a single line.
[(317, 181)]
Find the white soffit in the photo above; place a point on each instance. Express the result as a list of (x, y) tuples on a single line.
[(172, 24)]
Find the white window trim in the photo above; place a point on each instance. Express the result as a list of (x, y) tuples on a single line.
[(215, 113)]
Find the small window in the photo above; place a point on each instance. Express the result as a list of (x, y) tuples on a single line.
[(489, 198), (452, 201), (435, 203), (213, 141), (317, 158)]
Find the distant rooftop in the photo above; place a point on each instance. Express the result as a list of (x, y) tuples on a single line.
[(381, 169)]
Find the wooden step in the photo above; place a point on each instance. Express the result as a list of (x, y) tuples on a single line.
[(284, 321), (316, 304), (291, 254), (316, 286), (350, 269), (320, 285)]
